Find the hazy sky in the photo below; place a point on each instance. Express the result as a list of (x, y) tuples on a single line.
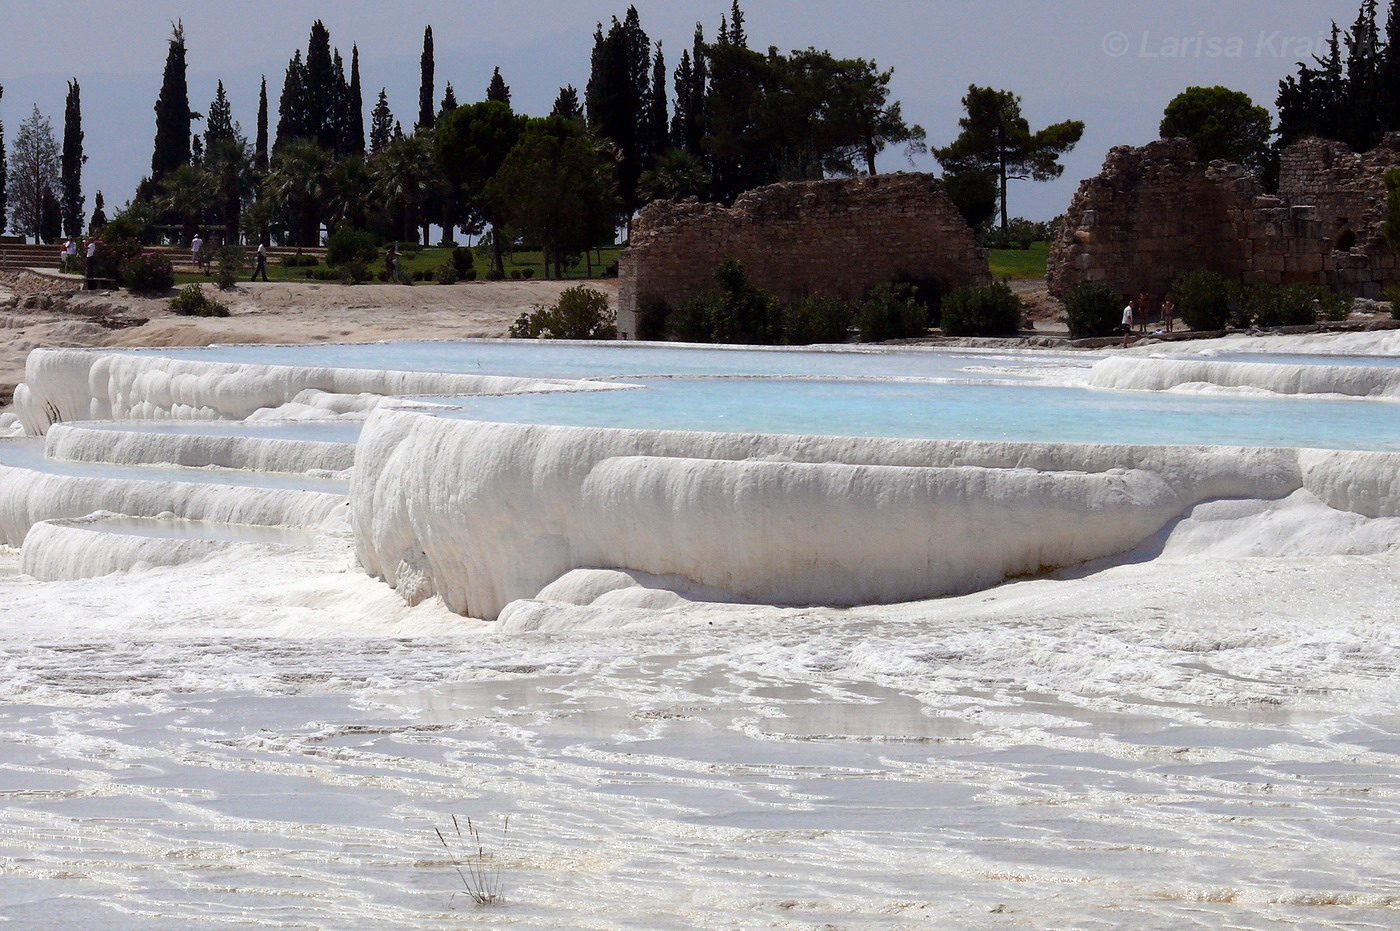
[(1111, 63)]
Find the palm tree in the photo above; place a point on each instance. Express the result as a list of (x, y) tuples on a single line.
[(230, 163), (677, 174), (297, 183), (403, 180), (347, 200), (188, 192)]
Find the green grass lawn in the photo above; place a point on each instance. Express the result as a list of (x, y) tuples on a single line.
[(429, 260), (1020, 263)]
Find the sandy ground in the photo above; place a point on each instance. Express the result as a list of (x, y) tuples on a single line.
[(275, 312)]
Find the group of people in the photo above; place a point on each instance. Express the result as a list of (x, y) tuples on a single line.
[(1137, 310), (68, 257), (200, 257)]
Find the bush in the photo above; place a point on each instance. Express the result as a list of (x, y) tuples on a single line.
[(148, 272), (527, 273), (324, 274), (192, 302), (495, 274), (446, 273), (230, 265), (1093, 309), (928, 291), (111, 257), (354, 272), (382, 275), (810, 320), (1292, 305), (347, 245), (580, 313), (982, 310), (736, 312), (300, 261), (515, 274), (1202, 300), (463, 262), (891, 312)]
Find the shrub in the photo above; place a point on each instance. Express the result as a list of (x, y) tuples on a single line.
[(515, 274), (982, 310), (1093, 309), (891, 312), (652, 315), (382, 274), (446, 273), (580, 313), (494, 274), (354, 272), (1291, 305), (148, 272), (300, 261), (1202, 300), (1391, 295), (736, 312), (929, 291), (347, 245), (816, 320), (111, 257), (527, 273), (611, 270), (230, 265), (463, 262), (192, 302), (324, 274)]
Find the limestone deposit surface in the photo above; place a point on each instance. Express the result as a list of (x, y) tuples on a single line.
[(1195, 728)]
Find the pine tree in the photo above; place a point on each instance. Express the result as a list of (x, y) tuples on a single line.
[(498, 90), (73, 159), (99, 213), (37, 168), (172, 144), (449, 100), (218, 125), (260, 148), (381, 124), (566, 104), (658, 128), (425, 82), (291, 108), (196, 150), (354, 143)]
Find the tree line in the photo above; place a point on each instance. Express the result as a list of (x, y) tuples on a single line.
[(725, 119)]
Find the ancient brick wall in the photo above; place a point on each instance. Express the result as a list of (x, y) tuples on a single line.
[(1155, 213), (831, 238)]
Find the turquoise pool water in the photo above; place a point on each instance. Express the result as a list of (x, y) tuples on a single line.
[(546, 359), (953, 411)]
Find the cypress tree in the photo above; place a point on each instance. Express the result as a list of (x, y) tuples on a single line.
[(381, 124), (355, 108), (320, 88), (73, 159), (291, 108), (196, 150), (1362, 116), (260, 147), (684, 80), (658, 129), (449, 100), (4, 176), (425, 84), (336, 127), (172, 145), (99, 212), (498, 90), (1389, 77), (737, 36), (219, 124), (617, 97)]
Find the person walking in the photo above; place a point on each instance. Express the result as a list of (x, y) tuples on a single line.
[(1168, 314), (261, 267), (91, 263), (1129, 317), (391, 263), (196, 247)]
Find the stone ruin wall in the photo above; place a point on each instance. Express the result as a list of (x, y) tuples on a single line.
[(1156, 212), (831, 238)]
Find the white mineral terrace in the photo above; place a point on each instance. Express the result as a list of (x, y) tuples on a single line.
[(737, 637)]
